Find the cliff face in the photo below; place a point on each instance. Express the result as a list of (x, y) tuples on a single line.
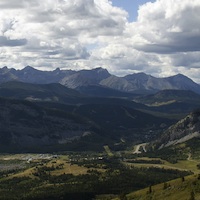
[(182, 131)]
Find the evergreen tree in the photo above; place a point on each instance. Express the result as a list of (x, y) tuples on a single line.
[(150, 189)]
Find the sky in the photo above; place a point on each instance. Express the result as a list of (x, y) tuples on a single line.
[(131, 6), (158, 37)]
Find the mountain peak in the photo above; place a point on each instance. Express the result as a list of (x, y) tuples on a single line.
[(29, 68), (96, 73), (180, 76), (5, 69), (57, 69), (140, 75), (99, 69)]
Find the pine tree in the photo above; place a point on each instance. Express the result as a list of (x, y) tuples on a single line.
[(150, 189)]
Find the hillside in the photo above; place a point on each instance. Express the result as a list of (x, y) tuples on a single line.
[(57, 93), (52, 92), (50, 126), (177, 148), (184, 130), (165, 97), (102, 91), (183, 101), (186, 188), (124, 122), (26, 126), (171, 101)]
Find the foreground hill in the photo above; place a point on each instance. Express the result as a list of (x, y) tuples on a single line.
[(186, 188), (135, 83), (180, 142), (178, 147)]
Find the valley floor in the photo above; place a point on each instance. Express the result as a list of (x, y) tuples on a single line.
[(101, 176)]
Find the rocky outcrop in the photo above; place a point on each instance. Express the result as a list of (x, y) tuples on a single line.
[(182, 131)]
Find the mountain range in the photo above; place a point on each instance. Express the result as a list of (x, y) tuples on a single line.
[(57, 109), (140, 83)]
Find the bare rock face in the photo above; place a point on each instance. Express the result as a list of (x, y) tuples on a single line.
[(182, 131)]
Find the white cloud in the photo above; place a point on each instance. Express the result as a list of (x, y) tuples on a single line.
[(169, 26), (57, 29), (164, 40)]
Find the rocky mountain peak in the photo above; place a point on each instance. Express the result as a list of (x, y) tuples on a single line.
[(98, 72), (141, 76), (29, 68), (101, 70), (135, 83), (57, 69), (4, 70)]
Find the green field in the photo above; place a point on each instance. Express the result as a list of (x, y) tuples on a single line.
[(100, 175)]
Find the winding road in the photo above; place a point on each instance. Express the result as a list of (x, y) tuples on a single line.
[(140, 147)]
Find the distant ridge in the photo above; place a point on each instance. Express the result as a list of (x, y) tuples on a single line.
[(170, 95), (52, 92), (140, 83)]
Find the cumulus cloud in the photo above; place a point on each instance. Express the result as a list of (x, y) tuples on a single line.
[(164, 40), (169, 26), (57, 29)]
